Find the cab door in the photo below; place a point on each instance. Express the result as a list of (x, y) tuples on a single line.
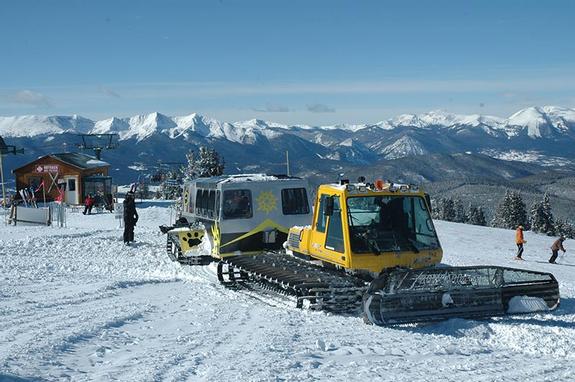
[(327, 240)]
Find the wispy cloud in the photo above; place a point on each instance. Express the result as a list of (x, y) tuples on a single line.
[(320, 108), (29, 97), (109, 92), (273, 109)]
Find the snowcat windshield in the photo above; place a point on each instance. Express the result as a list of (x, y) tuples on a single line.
[(390, 223)]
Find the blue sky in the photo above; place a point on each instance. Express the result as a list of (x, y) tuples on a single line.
[(314, 62)]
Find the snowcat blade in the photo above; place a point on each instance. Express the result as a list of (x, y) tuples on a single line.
[(403, 296)]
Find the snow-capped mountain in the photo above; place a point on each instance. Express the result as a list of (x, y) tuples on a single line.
[(542, 132)]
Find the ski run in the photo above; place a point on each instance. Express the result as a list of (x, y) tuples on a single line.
[(77, 304)]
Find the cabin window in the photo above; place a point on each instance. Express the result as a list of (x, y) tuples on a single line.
[(198, 201), (71, 184), (334, 238), (211, 203), (190, 201), (321, 218), (217, 214), (204, 205), (237, 204), (294, 201)]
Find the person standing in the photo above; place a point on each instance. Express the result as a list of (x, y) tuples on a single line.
[(88, 204), (519, 241), (130, 217), (557, 245)]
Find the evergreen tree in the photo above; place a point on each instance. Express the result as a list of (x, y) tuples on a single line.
[(205, 163), (448, 213), (562, 227), (511, 211), (542, 217), (459, 211), (476, 216)]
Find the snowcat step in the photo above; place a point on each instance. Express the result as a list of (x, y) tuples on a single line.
[(403, 296)]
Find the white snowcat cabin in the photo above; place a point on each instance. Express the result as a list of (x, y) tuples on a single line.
[(247, 212)]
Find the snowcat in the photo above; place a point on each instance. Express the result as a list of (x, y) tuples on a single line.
[(370, 247)]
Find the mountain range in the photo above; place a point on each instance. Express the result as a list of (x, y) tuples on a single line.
[(543, 135)]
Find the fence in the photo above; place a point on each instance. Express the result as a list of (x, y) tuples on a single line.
[(53, 213)]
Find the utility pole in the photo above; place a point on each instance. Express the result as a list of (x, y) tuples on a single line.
[(6, 149)]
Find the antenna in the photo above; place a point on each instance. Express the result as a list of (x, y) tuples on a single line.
[(99, 142), (6, 149), (287, 162)]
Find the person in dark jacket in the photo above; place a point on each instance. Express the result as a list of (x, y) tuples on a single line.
[(130, 217), (557, 245)]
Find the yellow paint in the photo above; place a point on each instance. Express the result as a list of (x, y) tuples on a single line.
[(268, 223), (266, 202), (216, 238), (185, 236)]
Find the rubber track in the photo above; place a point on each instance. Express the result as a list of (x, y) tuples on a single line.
[(314, 286)]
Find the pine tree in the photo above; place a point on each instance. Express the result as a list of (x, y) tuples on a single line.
[(459, 211), (563, 227), (448, 213), (542, 217), (476, 216), (511, 211), (205, 163)]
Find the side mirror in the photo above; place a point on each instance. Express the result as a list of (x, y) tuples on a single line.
[(328, 206)]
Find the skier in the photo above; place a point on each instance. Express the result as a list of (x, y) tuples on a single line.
[(130, 217), (557, 245), (519, 241), (88, 204)]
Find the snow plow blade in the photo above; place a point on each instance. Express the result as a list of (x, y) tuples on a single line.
[(402, 296)]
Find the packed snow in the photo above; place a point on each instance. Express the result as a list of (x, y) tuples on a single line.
[(76, 304)]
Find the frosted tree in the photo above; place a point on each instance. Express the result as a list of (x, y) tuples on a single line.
[(205, 163), (562, 227), (459, 211), (511, 212), (542, 217), (446, 209), (476, 216)]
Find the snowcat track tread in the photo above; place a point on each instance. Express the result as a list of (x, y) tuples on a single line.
[(322, 288)]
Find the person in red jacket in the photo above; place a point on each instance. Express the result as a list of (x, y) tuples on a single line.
[(519, 241), (88, 204)]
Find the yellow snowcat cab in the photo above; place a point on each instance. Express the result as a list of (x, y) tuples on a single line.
[(365, 228)]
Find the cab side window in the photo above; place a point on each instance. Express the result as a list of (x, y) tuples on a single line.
[(334, 237), (321, 218)]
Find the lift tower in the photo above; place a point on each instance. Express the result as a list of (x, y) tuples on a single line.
[(6, 149)]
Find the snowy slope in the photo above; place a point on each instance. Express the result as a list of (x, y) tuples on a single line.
[(78, 305)]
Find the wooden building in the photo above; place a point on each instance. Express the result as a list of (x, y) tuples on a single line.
[(74, 175)]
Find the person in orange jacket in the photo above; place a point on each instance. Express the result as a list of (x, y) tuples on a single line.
[(519, 241)]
